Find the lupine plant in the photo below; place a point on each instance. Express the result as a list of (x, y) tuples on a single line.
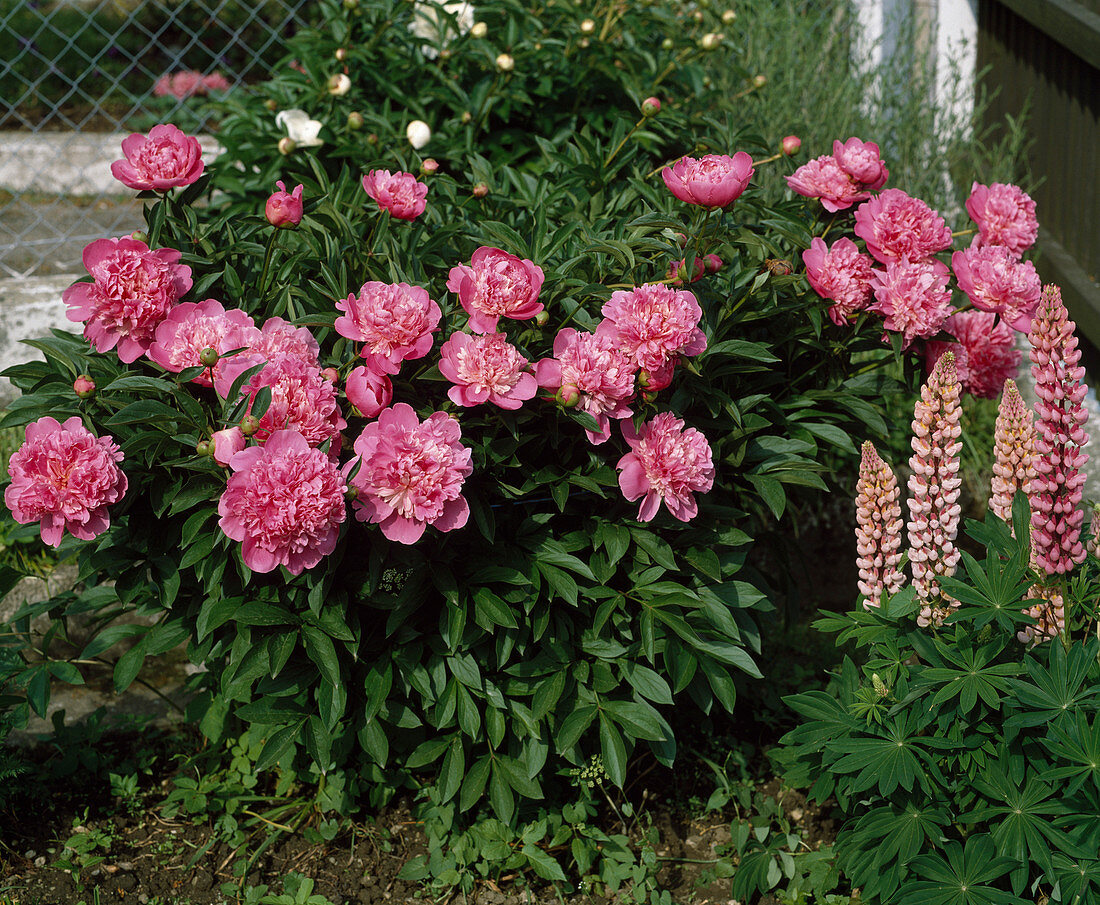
[(964, 752)]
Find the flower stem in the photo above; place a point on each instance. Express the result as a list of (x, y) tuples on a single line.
[(267, 261), (619, 147)]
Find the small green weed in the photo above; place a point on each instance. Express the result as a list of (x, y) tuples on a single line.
[(85, 848)]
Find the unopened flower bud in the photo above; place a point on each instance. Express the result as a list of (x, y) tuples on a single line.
[(728, 16), (330, 374), (880, 687), (791, 144), (249, 425), (283, 211), (341, 54), (429, 166), (287, 145), (140, 235), (418, 133), (446, 53), (588, 26), (479, 30), (271, 104), (351, 5), (710, 40), (583, 43), (372, 138), (84, 386), (209, 357), (339, 84), (480, 190), (467, 117), (697, 15), (542, 318), (668, 44), (651, 106), (355, 120), (505, 62), (649, 395), (713, 262), (568, 396), (204, 448), (759, 81)]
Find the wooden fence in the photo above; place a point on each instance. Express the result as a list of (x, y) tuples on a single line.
[(1048, 52)]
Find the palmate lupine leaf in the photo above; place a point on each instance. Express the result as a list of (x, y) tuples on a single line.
[(966, 673), (1078, 880), (1056, 688), (992, 592), (897, 759), (960, 876), (1078, 742)]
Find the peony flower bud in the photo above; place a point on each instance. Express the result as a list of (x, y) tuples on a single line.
[(759, 81), (479, 30), (429, 166), (84, 386), (583, 43), (467, 117), (728, 16), (505, 62), (791, 144), (339, 84), (480, 190), (568, 396), (372, 139), (330, 374), (140, 235), (710, 41), (668, 44), (542, 318), (588, 26), (713, 262), (204, 448), (271, 104), (249, 425), (418, 133), (651, 106), (341, 54), (284, 209), (209, 357), (351, 5), (355, 121), (287, 146), (227, 443)]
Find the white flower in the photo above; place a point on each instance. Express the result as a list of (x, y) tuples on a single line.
[(339, 84), (418, 133), (300, 127), (505, 62), (435, 22)]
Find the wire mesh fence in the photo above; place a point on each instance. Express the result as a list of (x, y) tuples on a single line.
[(77, 75)]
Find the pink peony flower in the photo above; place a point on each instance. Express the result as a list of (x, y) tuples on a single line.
[(995, 280), (861, 161), (284, 209), (841, 274), (399, 193), (985, 354), (227, 443), (653, 324), (394, 320), (134, 289), (823, 178), (64, 478), (215, 82), (1005, 215), (1055, 492), (593, 370), (665, 462), (368, 392), (896, 227), (280, 337), (496, 284), (878, 528), (160, 161), (486, 368), (191, 327), (412, 474), (913, 298), (301, 399), (284, 503), (715, 180)]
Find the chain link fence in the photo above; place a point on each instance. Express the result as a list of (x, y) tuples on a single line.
[(76, 76)]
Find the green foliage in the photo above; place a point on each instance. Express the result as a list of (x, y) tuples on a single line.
[(965, 765)]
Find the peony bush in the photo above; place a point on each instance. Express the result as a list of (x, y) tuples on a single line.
[(436, 478)]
